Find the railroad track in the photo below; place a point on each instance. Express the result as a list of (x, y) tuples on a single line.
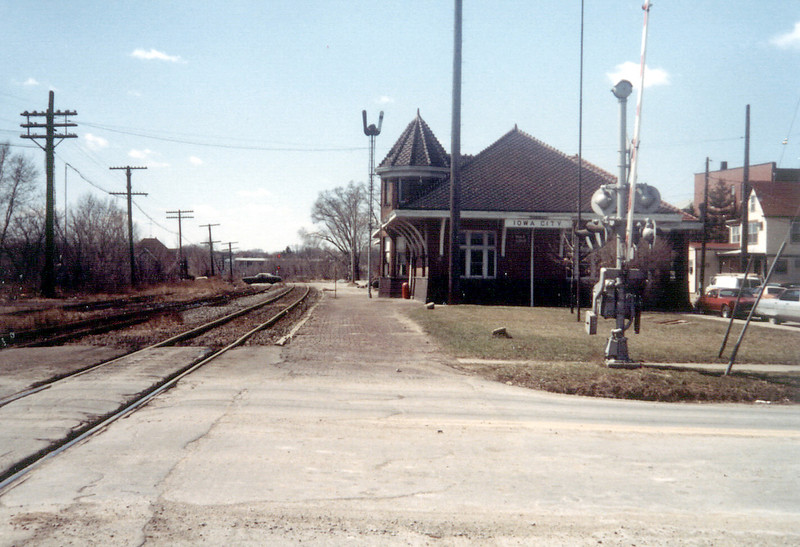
[(143, 309), (17, 465)]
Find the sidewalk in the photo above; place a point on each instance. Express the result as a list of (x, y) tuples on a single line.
[(367, 331)]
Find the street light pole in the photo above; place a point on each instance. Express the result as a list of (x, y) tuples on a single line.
[(371, 131)]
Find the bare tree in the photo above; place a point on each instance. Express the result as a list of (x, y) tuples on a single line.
[(341, 217), (98, 245), (22, 260), (18, 179)]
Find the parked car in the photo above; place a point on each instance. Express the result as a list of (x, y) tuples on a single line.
[(786, 307), (771, 290), (723, 302), (263, 278)]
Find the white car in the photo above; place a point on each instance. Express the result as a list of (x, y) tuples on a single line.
[(786, 307)]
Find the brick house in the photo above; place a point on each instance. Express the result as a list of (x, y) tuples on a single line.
[(518, 201)]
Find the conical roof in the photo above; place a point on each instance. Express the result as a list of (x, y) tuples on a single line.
[(417, 147)]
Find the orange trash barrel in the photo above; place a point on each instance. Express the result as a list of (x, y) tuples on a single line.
[(404, 291)]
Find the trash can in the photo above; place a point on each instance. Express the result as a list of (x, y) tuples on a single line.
[(404, 291)]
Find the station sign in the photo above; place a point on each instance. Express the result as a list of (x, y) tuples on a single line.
[(551, 223)]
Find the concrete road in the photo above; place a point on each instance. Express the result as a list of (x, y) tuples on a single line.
[(358, 433)]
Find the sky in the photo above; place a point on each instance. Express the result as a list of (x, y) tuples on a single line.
[(243, 111)]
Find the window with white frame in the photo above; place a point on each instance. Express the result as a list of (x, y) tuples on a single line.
[(736, 234), (478, 253), (752, 232)]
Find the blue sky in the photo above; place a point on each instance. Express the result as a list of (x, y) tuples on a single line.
[(244, 111)]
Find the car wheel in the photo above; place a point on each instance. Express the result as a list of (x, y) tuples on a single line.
[(725, 311), (774, 320)]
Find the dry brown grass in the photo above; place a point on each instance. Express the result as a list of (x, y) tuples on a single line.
[(550, 350), (44, 312)]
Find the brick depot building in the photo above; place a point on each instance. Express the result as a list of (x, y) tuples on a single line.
[(518, 209)]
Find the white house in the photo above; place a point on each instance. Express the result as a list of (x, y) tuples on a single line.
[(773, 209)]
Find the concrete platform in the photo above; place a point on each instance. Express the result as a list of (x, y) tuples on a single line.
[(33, 423)]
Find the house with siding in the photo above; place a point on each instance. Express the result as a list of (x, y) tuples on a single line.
[(773, 207)]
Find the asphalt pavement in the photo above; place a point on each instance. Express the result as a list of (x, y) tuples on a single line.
[(358, 432)]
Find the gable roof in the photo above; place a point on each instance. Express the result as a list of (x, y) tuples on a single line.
[(778, 199), (519, 173), (417, 147)]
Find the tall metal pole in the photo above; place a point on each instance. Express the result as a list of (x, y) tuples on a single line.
[(576, 241), (455, 167), (371, 131), (129, 193), (622, 91)]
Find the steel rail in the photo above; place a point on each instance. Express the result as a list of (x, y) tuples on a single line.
[(25, 467), (83, 327), (192, 333)]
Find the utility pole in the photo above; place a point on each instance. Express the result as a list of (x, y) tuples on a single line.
[(230, 256), (129, 193), (210, 244), (455, 160), (184, 271), (50, 136), (745, 229), (704, 219), (371, 131)]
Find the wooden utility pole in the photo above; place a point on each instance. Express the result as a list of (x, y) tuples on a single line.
[(455, 167), (210, 244), (745, 229), (230, 256), (184, 272), (49, 272), (129, 193), (704, 219)]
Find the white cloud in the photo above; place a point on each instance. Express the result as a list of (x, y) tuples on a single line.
[(94, 142), (147, 156), (140, 154), (30, 82), (790, 40), (194, 160), (154, 54), (134, 93), (630, 71), (385, 99)]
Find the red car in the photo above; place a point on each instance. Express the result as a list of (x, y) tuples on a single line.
[(723, 301)]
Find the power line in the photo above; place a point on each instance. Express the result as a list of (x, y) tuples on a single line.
[(141, 133)]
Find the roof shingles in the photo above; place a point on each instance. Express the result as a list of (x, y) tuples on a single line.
[(519, 173), (417, 147)]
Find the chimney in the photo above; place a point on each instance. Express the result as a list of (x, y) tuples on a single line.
[(723, 165)]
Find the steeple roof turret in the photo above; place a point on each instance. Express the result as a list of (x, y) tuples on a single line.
[(416, 147)]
